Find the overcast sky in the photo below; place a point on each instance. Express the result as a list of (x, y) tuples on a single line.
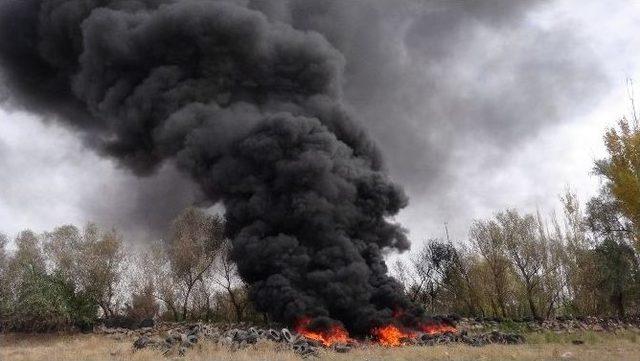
[(477, 106)]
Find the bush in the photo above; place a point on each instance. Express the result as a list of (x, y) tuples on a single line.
[(143, 304), (119, 321), (40, 305), (46, 303)]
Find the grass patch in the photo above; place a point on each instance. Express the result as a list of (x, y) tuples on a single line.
[(513, 327), (588, 337), (544, 346)]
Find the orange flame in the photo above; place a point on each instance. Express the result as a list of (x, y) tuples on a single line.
[(391, 335), (335, 334), (433, 329)]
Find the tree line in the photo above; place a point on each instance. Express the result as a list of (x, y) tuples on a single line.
[(514, 265), (524, 266), (72, 278)]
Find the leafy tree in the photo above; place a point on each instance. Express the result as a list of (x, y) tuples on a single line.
[(572, 257), (605, 218), (43, 301), (102, 268), (452, 269), (621, 170), (526, 252), (90, 262), (65, 247), (28, 256), (617, 279), (440, 276), (462, 277), (488, 239), (40, 303)]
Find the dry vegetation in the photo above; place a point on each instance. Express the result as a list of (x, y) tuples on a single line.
[(543, 346)]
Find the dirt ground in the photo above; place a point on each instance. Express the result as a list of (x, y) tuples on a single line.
[(541, 347)]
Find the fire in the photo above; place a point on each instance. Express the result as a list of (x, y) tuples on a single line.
[(391, 335), (433, 329), (335, 334)]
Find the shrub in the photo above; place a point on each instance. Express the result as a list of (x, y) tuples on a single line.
[(46, 303)]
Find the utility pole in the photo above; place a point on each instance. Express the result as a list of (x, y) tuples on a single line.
[(446, 232)]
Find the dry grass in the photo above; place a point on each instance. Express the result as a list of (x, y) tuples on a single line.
[(100, 348)]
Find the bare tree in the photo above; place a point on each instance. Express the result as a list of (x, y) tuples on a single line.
[(143, 302), (225, 274), (400, 272), (4, 240), (4, 285), (195, 240), (423, 287), (156, 267)]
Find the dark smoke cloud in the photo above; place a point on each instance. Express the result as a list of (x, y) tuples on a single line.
[(252, 110)]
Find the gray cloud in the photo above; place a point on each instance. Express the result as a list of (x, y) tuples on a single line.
[(445, 87), (428, 77), (49, 178)]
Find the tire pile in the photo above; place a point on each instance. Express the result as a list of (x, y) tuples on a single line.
[(180, 339), (481, 339), (557, 324)]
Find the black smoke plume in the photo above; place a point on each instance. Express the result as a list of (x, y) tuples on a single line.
[(252, 110)]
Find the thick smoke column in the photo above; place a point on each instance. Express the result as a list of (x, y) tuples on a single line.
[(252, 110)]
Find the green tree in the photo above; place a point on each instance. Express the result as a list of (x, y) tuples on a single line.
[(621, 170), (102, 268), (488, 239), (526, 251), (89, 264), (617, 279), (40, 303)]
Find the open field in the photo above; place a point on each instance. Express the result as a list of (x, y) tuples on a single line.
[(541, 346)]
